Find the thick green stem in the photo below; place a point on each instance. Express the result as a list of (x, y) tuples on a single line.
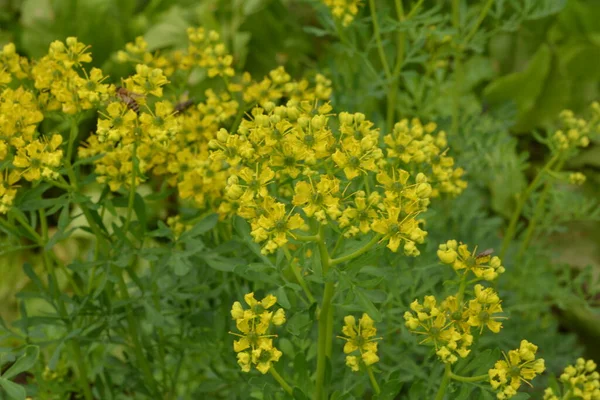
[(458, 69), (445, 381), (374, 383), (324, 336), (512, 226), (380, 49), (281, 381), (393, 90), (356, 253), (469, 379)]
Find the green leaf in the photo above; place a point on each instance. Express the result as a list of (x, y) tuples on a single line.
[(13, 390), (299, 394), (368, 306), (390, 390), (25, 362), (203, 226), (524, 87), (169, 30), (139, 206)]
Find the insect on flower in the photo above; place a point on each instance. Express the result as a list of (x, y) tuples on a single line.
[(183, 104), (485, 253), (128, 98)]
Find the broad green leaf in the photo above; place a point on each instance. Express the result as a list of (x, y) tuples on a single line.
[(169, 30), (524, 87), (13, 390), (23, 363)]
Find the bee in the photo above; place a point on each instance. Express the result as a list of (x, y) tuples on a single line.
[(485, 253), (128, 98), (184, 103)]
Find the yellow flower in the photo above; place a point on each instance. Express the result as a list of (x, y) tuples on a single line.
[(73, 53), (358, 217), (264, 356), (40, 160), (400, 229), (118, 124), (92, 89), (357, 157), (360, 338), (482, 309), (146, 81), (482, 265), (274, 226), (519, 366), (320, 200)]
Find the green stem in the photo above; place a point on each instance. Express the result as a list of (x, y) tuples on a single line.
[(393, 92), (482, 15), (298, 276), (73, 132), (537, 213), (356, 253), (512, 226), (380, 49), (310, 238), (469, 379), (415, 8), (324, 335), (374, 383), (445, 381), (135, 336), (461, 288), (458, 69), (132, 188), (281, 381)]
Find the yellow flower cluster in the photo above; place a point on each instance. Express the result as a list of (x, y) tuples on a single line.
[(137, 53), (12, 65), (575, 131), (482, 265), (287, 159), (520, 365), (186, 162), (447, 326), (580, 381), (57, 81), (360, 338), (63, 82), (255, 345), (415, 143), (205, 50), (343, 10), (577, 178), (132, 141)]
